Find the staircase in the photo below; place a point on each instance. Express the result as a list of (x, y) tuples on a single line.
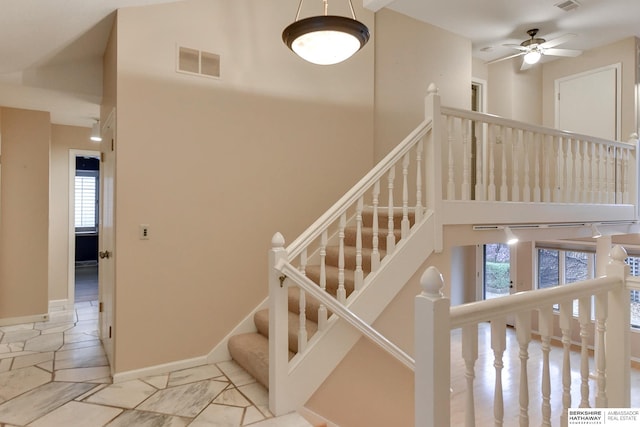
[(251, 350)]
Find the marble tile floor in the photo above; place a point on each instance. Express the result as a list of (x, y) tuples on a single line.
[(56, 374)]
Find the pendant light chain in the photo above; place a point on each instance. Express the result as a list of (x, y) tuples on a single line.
[(326, 9)]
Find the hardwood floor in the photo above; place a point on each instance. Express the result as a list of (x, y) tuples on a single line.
[(485, 378)]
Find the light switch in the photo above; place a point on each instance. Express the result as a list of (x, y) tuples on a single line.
[(144, 232)]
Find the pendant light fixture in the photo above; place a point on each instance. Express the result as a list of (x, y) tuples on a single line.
[(95, 132), (326, 39)]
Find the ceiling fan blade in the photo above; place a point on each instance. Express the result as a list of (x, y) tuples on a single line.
[(516, 46), (505, 58), (525, 66), (558, 41), (562, 52)]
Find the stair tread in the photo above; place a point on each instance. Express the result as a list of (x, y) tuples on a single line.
[(261, 319)]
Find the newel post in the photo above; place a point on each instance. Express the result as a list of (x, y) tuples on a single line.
[(618, 355), (432, 347), (278, 330), (433, 157)]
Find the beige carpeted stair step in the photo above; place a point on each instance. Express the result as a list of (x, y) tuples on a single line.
[(333, 253), (311, 305), (251, 351), (313, 273), (261, 319), (383, 217), (351, 232)]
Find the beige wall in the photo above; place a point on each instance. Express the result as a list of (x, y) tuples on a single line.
[(63, 139), (623, 52), (25, 213), (410, 55), (216, 167), (515, 94), (379, 389)]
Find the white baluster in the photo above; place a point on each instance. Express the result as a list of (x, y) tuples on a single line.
[(546, 158), (342, 292), (504, 189), (585, 321), (419, 149), (590, 171), (359, 274), (466, 157), (618, 175), (302, 330), (322, 310), (611, 183), (517, 142), (375, 253), (545, 320), (557, 193), (585, 198), (566, 315), (523, 332), (595, 171), (600, 354), (491, 196), (579, 171), (404, 224), (538, 141), (625, 176), (470, 355), (451, 185), (479, 188), (568, 169), (391, 237), (498, 340), (526, 196)]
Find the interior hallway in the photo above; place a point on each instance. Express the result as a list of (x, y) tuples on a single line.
[(56, 374)]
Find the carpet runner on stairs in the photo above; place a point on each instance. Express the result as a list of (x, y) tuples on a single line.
[(251, 350)]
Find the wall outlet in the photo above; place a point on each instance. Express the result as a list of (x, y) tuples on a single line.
[(143, 232)]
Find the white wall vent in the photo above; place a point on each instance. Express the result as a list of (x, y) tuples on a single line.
[(568, 5), (194, 61)]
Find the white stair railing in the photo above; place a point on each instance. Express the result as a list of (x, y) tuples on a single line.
[(434, 319), (453, 156)]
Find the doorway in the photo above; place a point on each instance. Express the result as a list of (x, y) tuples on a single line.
[(84, 185)]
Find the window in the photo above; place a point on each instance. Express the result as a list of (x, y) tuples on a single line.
[(497, 261), (86, 201), (634, 270), (559, 267)]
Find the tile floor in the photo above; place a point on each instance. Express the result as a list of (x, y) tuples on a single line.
[(56, 374)]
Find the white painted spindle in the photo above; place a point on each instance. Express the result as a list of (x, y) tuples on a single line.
[(358, 277), (466, 160), (545, 321), (547, 150), (342, 292), (559, 170), (526, 191), (470, 355), (479, 188), (491, 191), (600, 353), (516, 138), (375, 253), (391, 237), (568, 170), (538, 142), (419, 149), (584, 317), (498, 345), (523, 333), (322, 310), (566, 315), (404, 224), (451, 185), (504, 189)]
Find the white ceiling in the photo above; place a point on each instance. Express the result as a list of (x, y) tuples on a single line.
[(51, 50)]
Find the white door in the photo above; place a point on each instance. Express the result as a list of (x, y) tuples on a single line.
[(106, 243), (589, 103)]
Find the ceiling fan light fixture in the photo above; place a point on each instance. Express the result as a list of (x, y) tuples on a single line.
[(95, 132), (532, 57), (325, 39)]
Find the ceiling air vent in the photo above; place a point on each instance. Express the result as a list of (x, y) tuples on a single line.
[(568, 5), (194, 61)]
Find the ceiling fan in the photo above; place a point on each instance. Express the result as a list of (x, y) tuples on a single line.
[(534, 48)]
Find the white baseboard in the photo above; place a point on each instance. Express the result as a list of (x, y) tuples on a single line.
[(24, 319), (159, 369), (220, 352), (60, 305), (314, 418)]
